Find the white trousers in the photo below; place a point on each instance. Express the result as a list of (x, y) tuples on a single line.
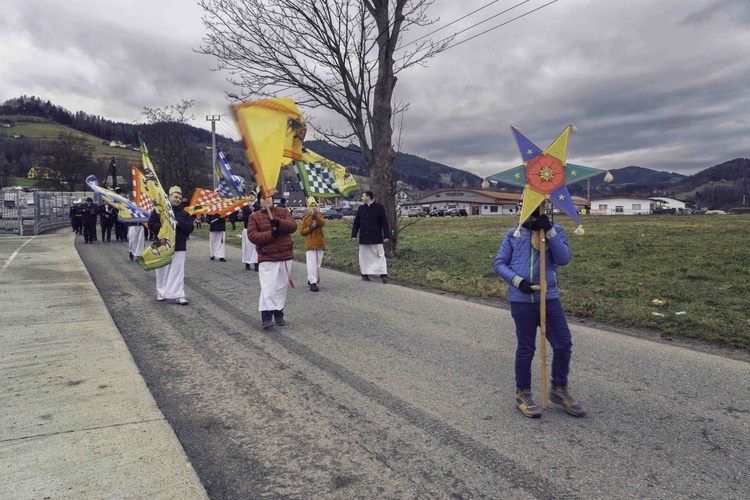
[(372, 259), (274, 277), (249, 252), (314, 259), (136, 241), (217, 243), (170, 280)]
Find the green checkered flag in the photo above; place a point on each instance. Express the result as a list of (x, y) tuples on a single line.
[(324, 179)]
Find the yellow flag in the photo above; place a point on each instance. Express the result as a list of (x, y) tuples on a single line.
[(559, 148), (160, 252), (531, 200), (272, 132)]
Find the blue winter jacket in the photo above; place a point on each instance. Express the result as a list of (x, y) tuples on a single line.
[(516, 257)]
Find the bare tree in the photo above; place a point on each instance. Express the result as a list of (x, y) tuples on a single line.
[(335, 54), (70, 157), (177, 159)]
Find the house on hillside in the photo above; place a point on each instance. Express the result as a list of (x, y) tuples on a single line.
[(117, 144), (42, 173)]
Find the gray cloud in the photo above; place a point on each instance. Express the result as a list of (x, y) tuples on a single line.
[(656, 84)]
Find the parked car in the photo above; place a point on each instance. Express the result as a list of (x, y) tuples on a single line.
[(462, 212), (333, 214), (417, 213), (300, 213), (346, 211)]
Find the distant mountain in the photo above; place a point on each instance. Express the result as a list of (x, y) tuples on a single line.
[(731, 170), (720, 186), (640, 176), (724, 186)]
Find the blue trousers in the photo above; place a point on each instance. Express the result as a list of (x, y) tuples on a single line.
[(526, 316)]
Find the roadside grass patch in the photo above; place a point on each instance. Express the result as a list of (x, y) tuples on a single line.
[(699, 264)]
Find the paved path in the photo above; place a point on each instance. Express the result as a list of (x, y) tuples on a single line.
[(77, 419), (370, 391), (380, 391)]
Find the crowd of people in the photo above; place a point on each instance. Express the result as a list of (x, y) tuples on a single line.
[(268, 249), (84, 216)]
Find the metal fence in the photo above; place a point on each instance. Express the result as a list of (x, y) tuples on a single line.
[(26, 213)]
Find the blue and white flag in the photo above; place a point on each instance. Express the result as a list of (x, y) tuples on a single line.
[(127, 211), (230, 185)]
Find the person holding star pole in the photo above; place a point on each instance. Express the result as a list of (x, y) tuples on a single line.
[(528, 260)]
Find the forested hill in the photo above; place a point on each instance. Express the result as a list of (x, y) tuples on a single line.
[(414, 170), (418, 172), (98, 126), (721, 186)]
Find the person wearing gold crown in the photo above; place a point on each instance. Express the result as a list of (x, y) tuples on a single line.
[(170, 279), (517, 262), (315, 242)]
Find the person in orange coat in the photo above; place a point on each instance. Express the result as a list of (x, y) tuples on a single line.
[(315, 242), (273, 241)]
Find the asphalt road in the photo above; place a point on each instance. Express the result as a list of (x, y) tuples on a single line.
[(382, 391)]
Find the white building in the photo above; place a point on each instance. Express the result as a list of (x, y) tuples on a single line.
[(474, 201), (622, 205), (668, 203), (631, 205)]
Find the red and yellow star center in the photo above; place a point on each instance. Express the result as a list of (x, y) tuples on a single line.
[(545, 174)]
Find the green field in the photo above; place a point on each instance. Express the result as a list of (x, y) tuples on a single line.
[(22, 181), (698, 264), (50, 131)]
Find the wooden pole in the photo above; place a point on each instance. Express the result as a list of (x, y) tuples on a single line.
[(543, 305)]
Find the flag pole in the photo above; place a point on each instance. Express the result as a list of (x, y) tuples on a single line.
[(543, 305)]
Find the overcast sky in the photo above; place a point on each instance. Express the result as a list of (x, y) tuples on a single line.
[(662, 84)]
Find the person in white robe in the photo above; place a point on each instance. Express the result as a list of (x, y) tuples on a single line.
[(136, 240), (271, 234), (170, 279), (217, 237), (371, 224)]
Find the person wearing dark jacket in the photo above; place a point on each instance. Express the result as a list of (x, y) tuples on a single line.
[(107, 218), (517, 262), (170, 279), (89, 211), (273, 240), (76, 217), (217, 236), (371, 223)]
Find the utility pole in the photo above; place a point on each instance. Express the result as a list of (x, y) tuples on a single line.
[(213, 119)]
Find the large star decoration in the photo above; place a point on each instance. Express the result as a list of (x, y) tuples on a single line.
[(545, 174)]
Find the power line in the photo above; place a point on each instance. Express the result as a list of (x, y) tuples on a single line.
[(473, 25), (451, 23), (500, 25)]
